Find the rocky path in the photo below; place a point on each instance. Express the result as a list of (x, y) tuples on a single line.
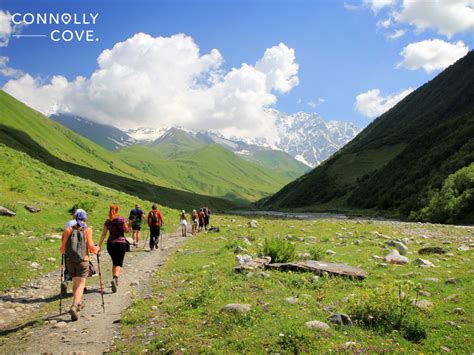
[(30, 319)]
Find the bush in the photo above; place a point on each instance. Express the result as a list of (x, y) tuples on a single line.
[(387, 309), (280, 250), (316, 254), (87, 206)]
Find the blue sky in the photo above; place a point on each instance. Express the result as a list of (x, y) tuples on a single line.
[(340, 50)]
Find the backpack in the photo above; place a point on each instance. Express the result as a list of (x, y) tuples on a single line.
[(154, 218), (76, 247)]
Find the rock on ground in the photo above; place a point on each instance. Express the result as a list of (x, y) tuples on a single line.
[(424, 263), (316, 324), (395, 258), (236, 308), (6, 212), (253, 224), (432, 250), (341, 319)]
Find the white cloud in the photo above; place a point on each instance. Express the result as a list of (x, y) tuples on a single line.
[(7, 71), (431, 55), (397, 34), (385, 23), (448, 17), (315, 103), (350, 7), (372, 104), (5, 28), (159, 81), (377, 5)]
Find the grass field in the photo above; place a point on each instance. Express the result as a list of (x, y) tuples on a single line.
[(183, 314)]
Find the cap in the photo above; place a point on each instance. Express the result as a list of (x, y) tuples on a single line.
[(80, 217), (183, 211)]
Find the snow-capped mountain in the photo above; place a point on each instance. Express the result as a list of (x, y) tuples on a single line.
[(304, 136), (310, 139), (144, 135)]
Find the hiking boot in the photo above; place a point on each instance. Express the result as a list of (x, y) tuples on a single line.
[(114, 284), (73, 312), (63, 288)]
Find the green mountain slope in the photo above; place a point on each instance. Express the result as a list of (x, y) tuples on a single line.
[(27, 130), (402, 159), (26, 181), (210, 169)]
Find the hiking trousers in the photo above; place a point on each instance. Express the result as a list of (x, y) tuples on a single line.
[(154, 236)]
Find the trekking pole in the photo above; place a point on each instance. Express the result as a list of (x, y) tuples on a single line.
[(60, 285), (100, 281)]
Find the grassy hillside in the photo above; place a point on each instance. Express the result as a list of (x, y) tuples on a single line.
[(278, 161), (41, 138), (403, 158), (24, 238), (185, 162)]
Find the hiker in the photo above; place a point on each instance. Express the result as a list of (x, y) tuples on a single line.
[(76, 245), (201, 219), (67, 277), (195, 222), (117, 244), (155, 221), (135, 218), (183, 222), (207, 216)]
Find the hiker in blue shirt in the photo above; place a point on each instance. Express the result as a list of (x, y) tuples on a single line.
[(136, 217)]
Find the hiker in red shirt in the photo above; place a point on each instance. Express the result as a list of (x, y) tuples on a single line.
[(201, 216), (155, 221)]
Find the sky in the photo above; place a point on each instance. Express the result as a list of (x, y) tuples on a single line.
[(222, 64)]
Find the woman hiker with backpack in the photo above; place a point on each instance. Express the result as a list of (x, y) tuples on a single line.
[(183, 222), (76, 245), (117, 245), (155, 221)]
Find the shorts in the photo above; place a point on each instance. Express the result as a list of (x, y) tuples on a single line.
[(78, 269), (136, 226), (117, 252), (195, 222)]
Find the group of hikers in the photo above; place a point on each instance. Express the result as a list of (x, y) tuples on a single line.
[(77, 245)]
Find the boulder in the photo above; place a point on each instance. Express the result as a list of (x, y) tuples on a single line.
[(341, 319), (432, 250), (6, 212), (316, 324), (243, 259), (424, 263), (291, 300), (253, 224), (236, 308), (32, 209), (330, 252), (401, 248), (252, 264), (321, 268), (395, 258)]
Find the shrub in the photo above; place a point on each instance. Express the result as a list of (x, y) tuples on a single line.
[(316, 254), (387, 308), (280, 250), (85, 205), (19, 187)]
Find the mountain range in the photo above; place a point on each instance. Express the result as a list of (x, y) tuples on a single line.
[(414, 161), (306, 137)]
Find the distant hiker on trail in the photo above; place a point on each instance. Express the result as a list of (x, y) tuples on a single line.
[(135, 218), (76, 245), (195, 222), (155, 221), (201, 216), (183, 222), (207, 216), (67, 277), (117, 245)]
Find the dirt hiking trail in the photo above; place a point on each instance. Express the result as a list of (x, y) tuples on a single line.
[(30, 320)]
